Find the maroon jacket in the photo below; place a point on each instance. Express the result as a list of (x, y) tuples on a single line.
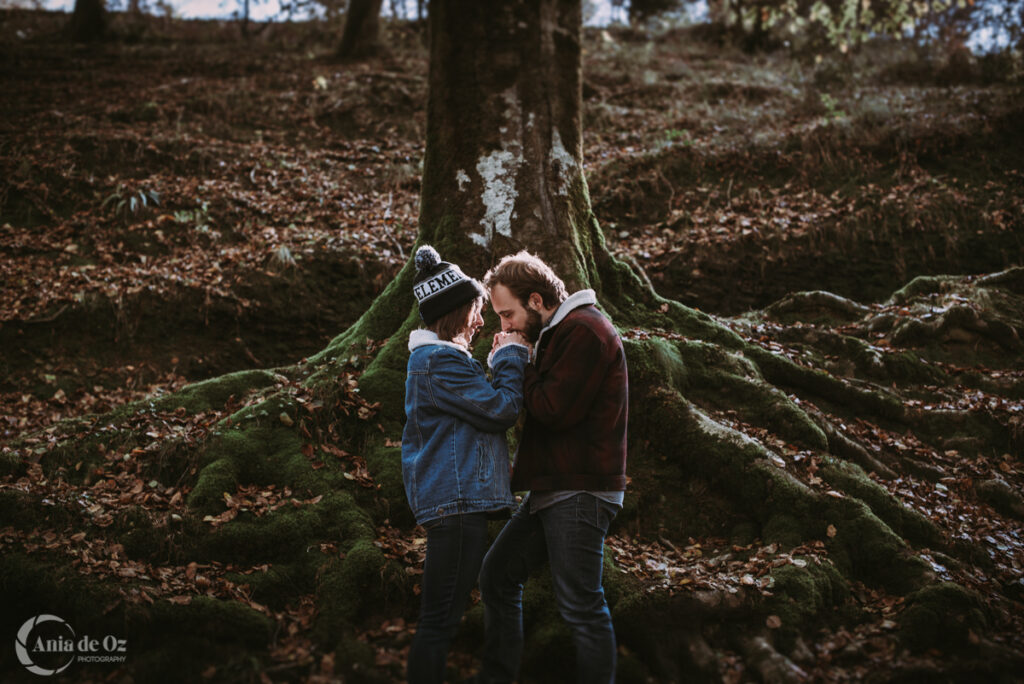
[(576, 396)]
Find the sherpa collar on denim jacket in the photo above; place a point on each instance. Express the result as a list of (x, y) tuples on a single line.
[(421, 337)]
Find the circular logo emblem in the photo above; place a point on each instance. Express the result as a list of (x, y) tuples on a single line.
[(45, 645)]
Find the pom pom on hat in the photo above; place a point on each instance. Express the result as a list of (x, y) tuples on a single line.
[(426, 258), (439, 286)]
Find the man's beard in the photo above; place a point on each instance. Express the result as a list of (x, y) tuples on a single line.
[(533, 326)]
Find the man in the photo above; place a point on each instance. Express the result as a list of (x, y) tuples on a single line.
[(571, 458)]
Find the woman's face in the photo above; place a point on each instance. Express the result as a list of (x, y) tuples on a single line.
[(474, 322)]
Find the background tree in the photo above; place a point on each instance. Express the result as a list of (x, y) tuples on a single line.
[(640, 10), (361, 35), (88, 21)]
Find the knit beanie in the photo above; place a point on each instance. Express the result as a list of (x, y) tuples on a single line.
[(441, 287)]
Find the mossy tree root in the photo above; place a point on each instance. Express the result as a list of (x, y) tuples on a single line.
[(749, 474), (772, 666)]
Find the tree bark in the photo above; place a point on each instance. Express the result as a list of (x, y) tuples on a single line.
[(503, 166), (88, 21), (361, 36)]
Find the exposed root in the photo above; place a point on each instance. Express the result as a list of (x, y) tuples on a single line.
[(773, 667), (872, 400), (844, 447), (1001, 497), (959, 324), (816, 305)]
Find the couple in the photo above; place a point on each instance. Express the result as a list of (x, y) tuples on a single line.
[(562, 359)]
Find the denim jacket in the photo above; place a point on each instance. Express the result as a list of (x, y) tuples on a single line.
[(454, 452)]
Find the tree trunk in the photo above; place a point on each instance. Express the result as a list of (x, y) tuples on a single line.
[(361, 36), (503, 170), (245, 18), (88, 21)]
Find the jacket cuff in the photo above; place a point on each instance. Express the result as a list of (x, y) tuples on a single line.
[(490, 357)]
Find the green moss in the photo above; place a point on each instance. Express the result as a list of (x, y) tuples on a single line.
[(357, 659), (714, 453), (656, 358), (73, 459), (215, 480), (137, 535), (158, 659), (817, 307), (766, 406), (384, 379), (1001, 496), (790, 511), (261, 455), (32, 584), (290, 534), (942, 616), (698, 325), (343, 514), (214, 393), (851, 479), (346, 588), (227, 636), (385, 465), (867, 548), (743, 533), (784, 530), (618, 586), (969, 432), (709, 372), (922, 285), (214, 619), (258, 453), (296, 470), (781, 371), (549, 652), (279, 536), (539, 603), (20, 509), (280, 583), (803, 594), (267, 413), (10, 465)]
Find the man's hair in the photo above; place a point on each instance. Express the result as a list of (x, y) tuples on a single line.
[(452, 323), (522, 274)]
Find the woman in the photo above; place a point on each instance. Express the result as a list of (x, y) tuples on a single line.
[(454, 455)]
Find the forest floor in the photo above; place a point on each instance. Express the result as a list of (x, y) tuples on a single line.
[(183, 203)]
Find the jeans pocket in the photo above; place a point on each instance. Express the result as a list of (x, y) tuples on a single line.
[(595, 511)]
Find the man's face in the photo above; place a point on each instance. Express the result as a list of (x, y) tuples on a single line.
[(513, 315)]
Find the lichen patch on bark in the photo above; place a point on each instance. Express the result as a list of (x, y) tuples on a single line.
[(498, 170), (567, 168)]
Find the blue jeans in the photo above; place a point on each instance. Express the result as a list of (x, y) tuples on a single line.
[(570, 537), (455, 548)]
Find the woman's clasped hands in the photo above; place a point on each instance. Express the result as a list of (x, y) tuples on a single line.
[(512, 337)]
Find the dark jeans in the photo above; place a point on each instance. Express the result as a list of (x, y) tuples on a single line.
[(570, 537), (455, 548)]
